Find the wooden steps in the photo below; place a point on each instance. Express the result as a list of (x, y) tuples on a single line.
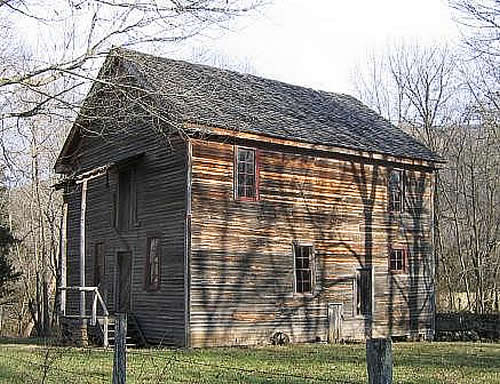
[(134, 339), (129, 341)]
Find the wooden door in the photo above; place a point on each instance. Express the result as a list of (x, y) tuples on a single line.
[(123, 281), (334, 322)]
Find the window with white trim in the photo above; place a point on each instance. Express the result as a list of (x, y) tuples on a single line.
[(397, 260), (246, 174), (396, 190), (304, 268)]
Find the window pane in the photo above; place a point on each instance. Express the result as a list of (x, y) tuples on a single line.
[(393, 264), (306, 280), (298, 263), (249, 156), (241, 180), (250, 169), (241, 155), (249, 191), (249, 181), (302, 263), (241, 167), (305, 262), (241, 190)]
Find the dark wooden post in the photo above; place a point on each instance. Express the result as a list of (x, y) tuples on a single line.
[(379, 361), (120, 352)]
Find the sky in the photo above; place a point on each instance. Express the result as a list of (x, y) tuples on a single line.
[(318, 43), (313, 43)]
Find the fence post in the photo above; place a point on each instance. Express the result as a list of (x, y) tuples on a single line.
[(379, 361), (120, 351)]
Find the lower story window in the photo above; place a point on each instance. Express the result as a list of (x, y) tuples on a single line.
[(304, 263), (363, 292), (153, 264)]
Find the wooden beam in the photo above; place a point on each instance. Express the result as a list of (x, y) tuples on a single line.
[(92, 174), (83, 249), (64, 251)]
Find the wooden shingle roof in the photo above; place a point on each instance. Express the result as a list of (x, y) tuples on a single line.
[(215, 97), (212, 97)]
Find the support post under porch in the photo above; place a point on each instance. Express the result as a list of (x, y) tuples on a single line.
[(83, 249)]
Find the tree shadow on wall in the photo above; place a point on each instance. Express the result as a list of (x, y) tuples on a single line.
[(410, 230), (246, 265)]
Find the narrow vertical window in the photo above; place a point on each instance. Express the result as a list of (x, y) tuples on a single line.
[(304, 262), (99, 272), (126, 207), (397, 260), (396, 190), (364, 292), (153, 264), (246, 174)]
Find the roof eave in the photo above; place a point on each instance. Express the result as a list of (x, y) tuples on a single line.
[(196, 128)]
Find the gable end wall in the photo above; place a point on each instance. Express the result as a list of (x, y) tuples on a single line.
[(161, 207)]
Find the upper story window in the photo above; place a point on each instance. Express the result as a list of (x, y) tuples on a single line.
[(152, 272), (246, 174), (397, 260), (396, 190), (126, 207), (304, 268)]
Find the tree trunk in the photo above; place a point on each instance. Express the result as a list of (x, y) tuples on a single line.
[(379, 361)]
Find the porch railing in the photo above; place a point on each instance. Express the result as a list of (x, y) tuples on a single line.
[(96, 299)]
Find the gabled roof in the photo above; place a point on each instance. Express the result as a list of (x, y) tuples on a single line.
[(220, 98)]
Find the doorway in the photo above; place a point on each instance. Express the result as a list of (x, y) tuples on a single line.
[(123, 281)]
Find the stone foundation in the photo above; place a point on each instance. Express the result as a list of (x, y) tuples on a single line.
[(463, 326), (75, 331)]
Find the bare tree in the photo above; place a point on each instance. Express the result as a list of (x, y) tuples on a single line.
[(50, 58), (202, 55), (480, 23), (414, 87), (445, 102)]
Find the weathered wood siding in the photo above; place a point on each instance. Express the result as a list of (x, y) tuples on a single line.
[(241, 269), (160, 184)]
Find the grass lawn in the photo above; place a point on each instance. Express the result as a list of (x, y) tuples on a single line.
[(421, 363)]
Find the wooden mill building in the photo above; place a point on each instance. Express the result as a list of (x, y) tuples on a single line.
[(220, 208)]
